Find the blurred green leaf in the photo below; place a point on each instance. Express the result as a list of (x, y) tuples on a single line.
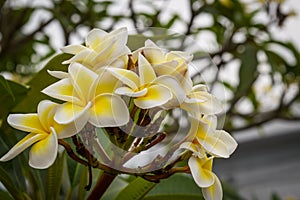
[(10, 94), (137, 189), (41, 80)]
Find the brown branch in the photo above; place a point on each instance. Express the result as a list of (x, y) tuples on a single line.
[(71, 152)]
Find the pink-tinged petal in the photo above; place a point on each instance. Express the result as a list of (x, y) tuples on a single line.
[(58, 74), (127, 77), (228, 140), (109, 111), (62, 90), (214, 192), (68, 112), (214, 146), (73, 49), (82, 79), (43, 153), (27, 141), (46, 111), (85, 57), (129, 92), (173, 85), (146, 72), (94, 38), (157, 95), (201, 176), (26, 122)]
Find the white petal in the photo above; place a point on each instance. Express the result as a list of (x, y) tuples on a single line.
[(94, 38), (127, 77), (26, 122), (129, 92), (73, 49), (172, 84), (202, 177), (62, 90), (157, 95), (68, 112), (27, 141), (214, 192), (68, 130), (84, 57), (193, 148), (214, 146), (46, 110), (82, 79), (200, 88), (58, 74), (228, 140), (146, 72), (43, 153), (109, 111)]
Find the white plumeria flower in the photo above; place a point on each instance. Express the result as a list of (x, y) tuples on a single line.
[(199, 102), (147, 89), (201, 170), (43, 136), (88, 98), (174, 63), (218, 143), (102, 49)]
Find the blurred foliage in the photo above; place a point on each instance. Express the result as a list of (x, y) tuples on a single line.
[(31, 32)]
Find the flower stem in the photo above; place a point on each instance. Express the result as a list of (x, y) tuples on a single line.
[(103, 183)]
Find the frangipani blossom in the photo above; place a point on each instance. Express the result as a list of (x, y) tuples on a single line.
[(201, 169), (43, 135), (88, 98), (218, 143), (199, 102), (102, 49), (174, 63), (147, 89)]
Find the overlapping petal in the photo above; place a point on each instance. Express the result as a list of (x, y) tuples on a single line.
[(108, 111), (62, 90), (157, 95), (27, 141), (214, 192), (201, 172), (146, 72), (127, 77), (43, 153), (26, 122)]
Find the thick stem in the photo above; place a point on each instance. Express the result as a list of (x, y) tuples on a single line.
[(103, 183)]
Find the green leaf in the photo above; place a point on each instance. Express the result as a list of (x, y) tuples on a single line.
[(41, 80), (5, 195), (248, 70), (117, 185), (10, 94), (175, 197), (54, 178), (8, 183), (180, 184), (137, 189)]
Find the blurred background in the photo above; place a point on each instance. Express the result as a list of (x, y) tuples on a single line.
[(246, 51)]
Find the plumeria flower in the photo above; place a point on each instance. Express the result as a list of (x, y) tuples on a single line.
[(88, 98), (43, 136), (173, 63), (201, 170), (218, 143), (101, 49), (146, 88), (200, 102)]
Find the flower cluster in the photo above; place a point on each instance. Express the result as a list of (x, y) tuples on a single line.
[(104, 86)]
